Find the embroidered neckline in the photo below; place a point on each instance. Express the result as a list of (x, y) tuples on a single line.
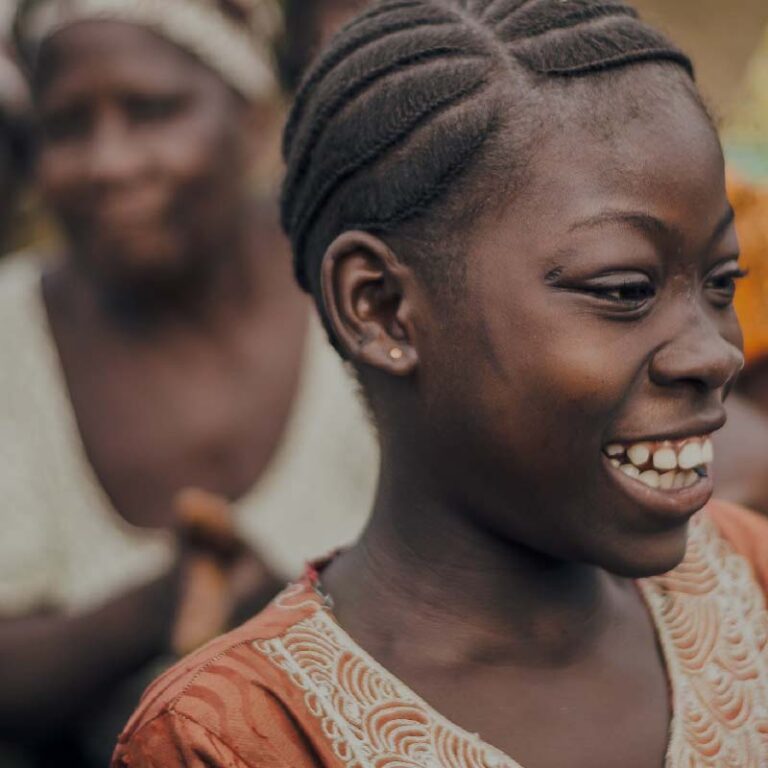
[(711, 622)]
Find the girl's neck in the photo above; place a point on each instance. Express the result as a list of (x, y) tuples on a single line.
[(426, 575)]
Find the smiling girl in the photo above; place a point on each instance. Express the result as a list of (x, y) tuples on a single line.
[(512, 217)]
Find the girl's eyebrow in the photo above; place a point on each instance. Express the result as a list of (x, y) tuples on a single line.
[(644, 222), (648, 224)]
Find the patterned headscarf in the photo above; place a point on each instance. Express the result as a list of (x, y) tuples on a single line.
[(232, 37)]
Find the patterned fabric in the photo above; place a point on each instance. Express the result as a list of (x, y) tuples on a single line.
[(291, 688), (64, 546), (369, 717), (713, 625), (230, 36)]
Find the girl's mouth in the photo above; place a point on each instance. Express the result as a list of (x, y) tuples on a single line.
[(667, 465)]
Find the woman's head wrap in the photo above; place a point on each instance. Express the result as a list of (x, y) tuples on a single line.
[(231, 37)]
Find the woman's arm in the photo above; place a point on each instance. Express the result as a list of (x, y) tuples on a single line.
[(52, 666)]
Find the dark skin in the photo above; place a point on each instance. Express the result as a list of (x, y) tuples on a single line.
[(163, 311), (496, 578)]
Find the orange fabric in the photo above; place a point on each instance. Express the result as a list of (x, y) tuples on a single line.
[(751, 205), (289, 689), (747, 533), (216, 708)]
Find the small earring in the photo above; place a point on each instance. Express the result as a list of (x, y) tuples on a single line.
[(396, 353)]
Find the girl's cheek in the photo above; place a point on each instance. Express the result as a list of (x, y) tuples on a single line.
[(593, 374)]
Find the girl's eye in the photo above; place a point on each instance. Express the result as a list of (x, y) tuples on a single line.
[(722, 286), (626, 293)]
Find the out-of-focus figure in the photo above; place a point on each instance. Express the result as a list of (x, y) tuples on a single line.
[(164, 348), (15, 133)]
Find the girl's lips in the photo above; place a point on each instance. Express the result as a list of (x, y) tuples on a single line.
[(675, 505), (664, 464)]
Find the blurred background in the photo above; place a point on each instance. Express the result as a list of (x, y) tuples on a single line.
[(177, 435)]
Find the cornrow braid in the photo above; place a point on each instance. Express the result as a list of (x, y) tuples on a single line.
[(404, 113), (385, 60), (358, 38)]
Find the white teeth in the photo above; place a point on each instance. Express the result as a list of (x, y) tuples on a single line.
[(665, 459), (691, 478), (639, 454), (650, 478), (635, 460), (690, 456), (667, 481)]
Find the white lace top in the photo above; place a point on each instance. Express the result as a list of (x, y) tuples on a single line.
[(63, 545)]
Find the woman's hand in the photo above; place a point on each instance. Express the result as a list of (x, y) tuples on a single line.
[(223, 581)]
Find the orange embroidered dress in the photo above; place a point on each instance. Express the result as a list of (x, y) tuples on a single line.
[(290, 689)]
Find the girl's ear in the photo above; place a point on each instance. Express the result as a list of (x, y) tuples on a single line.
[(366, 291)]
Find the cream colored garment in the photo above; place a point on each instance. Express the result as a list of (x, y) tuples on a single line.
[(63, 545)]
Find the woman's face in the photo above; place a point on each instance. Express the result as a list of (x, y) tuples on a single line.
[(595, 324), (144, 152)]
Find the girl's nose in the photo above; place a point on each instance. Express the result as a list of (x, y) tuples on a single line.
[(698, 356)]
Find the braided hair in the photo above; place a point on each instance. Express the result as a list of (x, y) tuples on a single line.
[(414, 97)]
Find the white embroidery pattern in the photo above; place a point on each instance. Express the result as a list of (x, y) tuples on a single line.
[(712, 624), (369, 717)]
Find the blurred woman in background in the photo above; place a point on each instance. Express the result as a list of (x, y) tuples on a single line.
[(165, 348)]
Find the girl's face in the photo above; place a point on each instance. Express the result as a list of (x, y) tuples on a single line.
[(144, 151), (596, 330)]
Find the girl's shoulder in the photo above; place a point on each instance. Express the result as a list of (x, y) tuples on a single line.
[(746, 532), (227, 704)]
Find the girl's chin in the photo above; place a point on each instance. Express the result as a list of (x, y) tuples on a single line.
[(649, 555)]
